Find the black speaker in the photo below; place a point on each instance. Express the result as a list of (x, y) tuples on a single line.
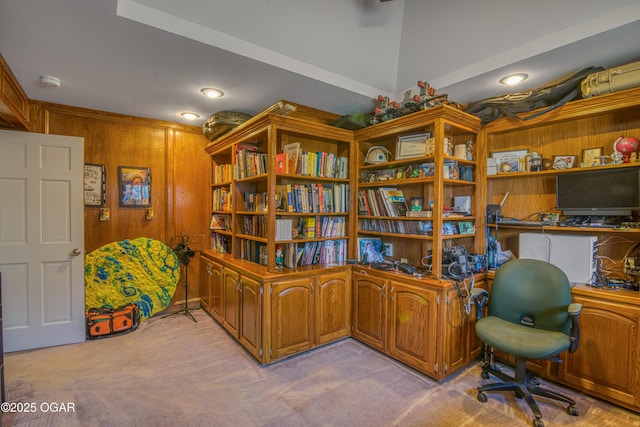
[(493, 214)]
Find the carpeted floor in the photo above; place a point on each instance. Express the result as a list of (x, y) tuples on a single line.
[(173, 371)]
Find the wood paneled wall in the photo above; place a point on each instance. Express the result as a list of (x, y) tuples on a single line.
[(179, 177)]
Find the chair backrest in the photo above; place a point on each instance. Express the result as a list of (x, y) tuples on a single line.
[(531, 289)]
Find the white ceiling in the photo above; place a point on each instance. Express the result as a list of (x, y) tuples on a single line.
[(149, 58)]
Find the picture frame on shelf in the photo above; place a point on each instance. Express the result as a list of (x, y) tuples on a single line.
[(466, 227), (509, 161), (416, 204), (592, 157), (564, 162), (369, 250), (410, 146), (135, 186), (218, 222), (94, 185), (449, 228)]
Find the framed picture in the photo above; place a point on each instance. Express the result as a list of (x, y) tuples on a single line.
[(591, 157), (508, 161), (135, 186), (369, 250), (449, 228), (409, 146), (416, 204), (94, 185), (466, 227), (218, 222), (564, 162)]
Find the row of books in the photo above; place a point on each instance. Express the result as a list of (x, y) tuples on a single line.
[(249, 162), (221, 199), (222, 173), (255, 225), (312, 253), (322, 226), (220, 243), (422, 228), (382, 202), (293, 160), (312, 198), (255, 202), (253, 251)]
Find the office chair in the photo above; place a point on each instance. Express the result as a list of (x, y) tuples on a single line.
[(529, 316)]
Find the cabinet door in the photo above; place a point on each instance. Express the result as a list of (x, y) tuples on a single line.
[(606, 362), (205, 279), (413, 317), (216, 300), (370, 310), (231, 313), (250, 316), (333, 306), (291, 317)]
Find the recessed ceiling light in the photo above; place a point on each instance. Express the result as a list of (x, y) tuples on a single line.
[(513, 79), (189, 115), (212, 92)]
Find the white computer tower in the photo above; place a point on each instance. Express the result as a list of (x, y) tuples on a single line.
[(575, 255)]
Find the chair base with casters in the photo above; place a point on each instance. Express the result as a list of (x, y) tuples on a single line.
[(524, 386)]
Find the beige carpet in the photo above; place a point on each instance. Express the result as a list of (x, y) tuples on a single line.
[(173, 371)]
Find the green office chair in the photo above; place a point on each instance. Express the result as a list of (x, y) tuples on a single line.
[(530, 316)]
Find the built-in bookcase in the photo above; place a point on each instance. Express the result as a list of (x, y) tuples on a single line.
[(289, 193)]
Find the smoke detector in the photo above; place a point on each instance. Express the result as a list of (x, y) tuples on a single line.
[(49, 81)]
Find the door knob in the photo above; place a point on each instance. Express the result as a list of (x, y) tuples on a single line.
[(75, 252)]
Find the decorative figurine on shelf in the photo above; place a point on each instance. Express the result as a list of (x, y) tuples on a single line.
[(626, 146), (279, 258)]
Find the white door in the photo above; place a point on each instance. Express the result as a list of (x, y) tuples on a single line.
[(41, 239)]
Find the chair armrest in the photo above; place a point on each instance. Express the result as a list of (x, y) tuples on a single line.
[(574, 311), (479, 297)]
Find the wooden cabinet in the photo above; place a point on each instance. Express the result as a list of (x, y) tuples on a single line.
[(370, 310), (333, 307), (413, 316), (423, 169), (230, 298), (292, 317), (416, 321), (250, 312), (606, 362), (274, 316), (205, 284), (14, 104)]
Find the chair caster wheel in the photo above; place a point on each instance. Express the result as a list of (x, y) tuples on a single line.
[(484, 375), (538, 423), (482, 397), (573, 411)]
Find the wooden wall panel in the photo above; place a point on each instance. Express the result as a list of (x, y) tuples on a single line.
[(179, 177)]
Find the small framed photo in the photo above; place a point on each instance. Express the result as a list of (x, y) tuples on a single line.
[(409, 146), (369, 250), (509, 161), (466, 227), (416, 204), (94, 185), (135, 186), (591, 157), (564, 162), (449, 228)]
